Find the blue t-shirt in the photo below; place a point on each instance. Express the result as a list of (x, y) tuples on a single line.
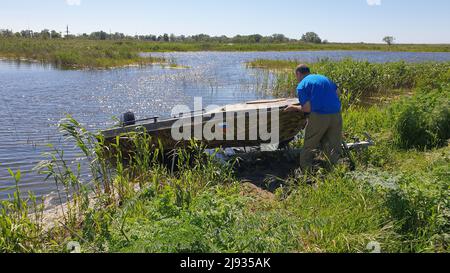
[(321, 92)]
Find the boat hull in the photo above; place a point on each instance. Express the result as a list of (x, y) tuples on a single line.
[(241, 125)]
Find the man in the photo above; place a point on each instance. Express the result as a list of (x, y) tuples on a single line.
[(319, 99)]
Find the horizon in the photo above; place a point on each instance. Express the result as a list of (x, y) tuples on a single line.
[(352, 21)]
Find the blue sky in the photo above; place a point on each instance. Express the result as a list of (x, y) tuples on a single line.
[(410, 21)]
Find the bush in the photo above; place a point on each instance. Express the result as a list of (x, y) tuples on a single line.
[(423, 122), (421, 206)]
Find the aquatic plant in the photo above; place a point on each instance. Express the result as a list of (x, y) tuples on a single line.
[(75, 54), (356, 80), (21, 227)]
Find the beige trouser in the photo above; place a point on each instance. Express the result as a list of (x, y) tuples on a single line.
[(323, 132)]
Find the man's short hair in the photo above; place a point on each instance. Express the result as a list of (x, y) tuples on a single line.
[(303, 69)]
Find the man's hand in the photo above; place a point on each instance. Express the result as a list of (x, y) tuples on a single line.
[(293, 108)]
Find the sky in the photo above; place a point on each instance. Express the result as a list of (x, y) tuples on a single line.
[(409, 21)]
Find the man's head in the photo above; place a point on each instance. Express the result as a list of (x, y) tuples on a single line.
[(302, 71)]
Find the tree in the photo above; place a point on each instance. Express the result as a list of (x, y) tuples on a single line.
[(55, 34), (279, 38), (389, 40), (45, 34), (311, 37), (256, 38), (201, 38), (26, 33), (6, 33)]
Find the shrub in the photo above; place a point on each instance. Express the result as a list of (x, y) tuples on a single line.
[(423, 122), (421, 207)]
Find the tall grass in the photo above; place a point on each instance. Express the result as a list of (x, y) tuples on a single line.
[(21, 222), (356, 79), (221, 220), (152, 46), (424, 122), (292, 46), (84, 53), (75, 53)]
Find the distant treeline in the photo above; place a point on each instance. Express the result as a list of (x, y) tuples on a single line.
[(309, 37)]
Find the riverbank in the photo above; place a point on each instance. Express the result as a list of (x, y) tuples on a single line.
[(84, 53), (397, 197), (75, 54), (293, 46)]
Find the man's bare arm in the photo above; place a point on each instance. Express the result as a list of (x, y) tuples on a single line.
[(293, 108), (307, 108), (298, 108)]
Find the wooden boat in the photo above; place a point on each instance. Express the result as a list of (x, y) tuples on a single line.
[(237, 125)]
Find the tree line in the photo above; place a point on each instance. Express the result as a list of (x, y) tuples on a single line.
[(309, 37)]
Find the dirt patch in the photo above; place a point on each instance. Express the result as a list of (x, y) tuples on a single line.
[(255, 192)]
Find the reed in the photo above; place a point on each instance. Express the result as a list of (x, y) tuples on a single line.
[(75, 54), (357, 80), (423, 123), (292, 46), (84, 53), (21, 228)]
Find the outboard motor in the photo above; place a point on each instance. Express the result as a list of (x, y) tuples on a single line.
[(128, 119)]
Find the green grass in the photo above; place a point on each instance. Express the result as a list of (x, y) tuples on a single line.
[(75, 53), (83, 53), (293, 46), (221, 220), (398, 196)]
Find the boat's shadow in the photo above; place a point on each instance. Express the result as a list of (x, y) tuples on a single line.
[(268, 170)]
